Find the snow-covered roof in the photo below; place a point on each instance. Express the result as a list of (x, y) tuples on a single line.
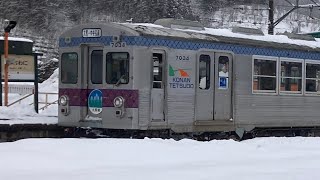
[(221, 35), (16, 39)]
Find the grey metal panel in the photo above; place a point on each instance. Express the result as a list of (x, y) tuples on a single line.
[(223, 96), (112, 121), (142, 80), (157, 104), (144, 108), (204, 104), (180, 109), (270, 110), (181, 87), (72, 119)]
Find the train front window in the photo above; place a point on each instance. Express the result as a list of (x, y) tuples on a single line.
[(312, 78), (69, 68), (117, 68), (96, 67), (265, 76)]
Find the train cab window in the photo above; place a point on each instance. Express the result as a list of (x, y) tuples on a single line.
[(264, 76), (69, 68), (204, 71), (96, 66), (157, 71), (313, 78), (117, 68), (291, 77), (223, 70)]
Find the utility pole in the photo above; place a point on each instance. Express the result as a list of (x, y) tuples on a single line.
[(272, 24), (271, 12), (9, 25)]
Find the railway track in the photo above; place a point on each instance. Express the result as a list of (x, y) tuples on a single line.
[(9, 133)]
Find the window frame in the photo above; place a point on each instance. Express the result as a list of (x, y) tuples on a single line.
[(265, 92), (160, 66), (60, 79), (296, 93), (91, 70), (210, 69), (106, 66), (227, 77), (308, 93)]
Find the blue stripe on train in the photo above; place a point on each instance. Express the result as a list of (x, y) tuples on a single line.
[(192, 45)]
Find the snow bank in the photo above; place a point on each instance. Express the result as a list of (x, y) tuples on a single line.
[(24, 113), (156, 159)]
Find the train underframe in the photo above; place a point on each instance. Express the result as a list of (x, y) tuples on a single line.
[(24, 131)]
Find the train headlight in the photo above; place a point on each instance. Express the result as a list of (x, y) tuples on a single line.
[(118, 102), (63, 100)]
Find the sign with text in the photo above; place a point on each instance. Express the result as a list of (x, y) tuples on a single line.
[(21, 67)]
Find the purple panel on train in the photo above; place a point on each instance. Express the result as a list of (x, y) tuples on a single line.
[(78, 97)]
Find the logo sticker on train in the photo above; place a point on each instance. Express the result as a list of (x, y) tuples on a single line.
[(95, 101), (179, 78)]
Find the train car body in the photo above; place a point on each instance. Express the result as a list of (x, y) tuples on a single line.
[(148, 77)]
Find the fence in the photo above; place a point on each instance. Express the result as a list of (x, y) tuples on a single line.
[(20, 89), (28, 90)]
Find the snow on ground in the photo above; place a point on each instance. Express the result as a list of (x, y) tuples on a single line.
[(122, 159), (24, 113)]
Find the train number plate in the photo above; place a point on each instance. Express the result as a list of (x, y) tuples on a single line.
[(89, 33), (118, 44)]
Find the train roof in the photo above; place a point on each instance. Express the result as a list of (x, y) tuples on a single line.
[(226, 36), (202, 34)]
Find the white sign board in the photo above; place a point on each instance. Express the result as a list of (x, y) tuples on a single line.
[(91, 33), (21, 67)]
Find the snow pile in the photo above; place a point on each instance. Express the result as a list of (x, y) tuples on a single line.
[(156, 159), (24, 113)]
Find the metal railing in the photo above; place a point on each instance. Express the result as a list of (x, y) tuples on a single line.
[(19, 100), (46, 102)]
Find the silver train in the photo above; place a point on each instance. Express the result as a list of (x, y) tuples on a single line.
[(176, 75)]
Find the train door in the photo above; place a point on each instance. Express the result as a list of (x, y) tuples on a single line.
[(223, 87), (205, 87), (95, 76), (157, 87)]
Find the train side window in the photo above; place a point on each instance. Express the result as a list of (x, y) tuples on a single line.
[(117, 68), (69, 68), (157, 71), (223, 70), (204, 71), (313, 78), (96, 66), (291, 77), (264, 75)]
